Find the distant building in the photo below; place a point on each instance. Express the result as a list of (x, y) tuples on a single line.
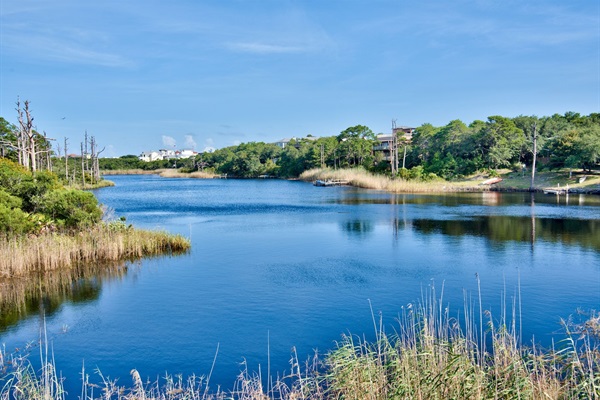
[(150, 156), (164, 154), (284, 142), (404, 131), (186, 153)]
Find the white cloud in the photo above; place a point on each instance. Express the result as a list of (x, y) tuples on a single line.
[(264, 48), (169, 141), (190, 142)]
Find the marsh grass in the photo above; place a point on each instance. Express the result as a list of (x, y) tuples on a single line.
[(173, 173), (131, 171), (106, 242), (429, 355), (363, 179)]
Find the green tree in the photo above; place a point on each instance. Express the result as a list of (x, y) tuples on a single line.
[(501, 141)]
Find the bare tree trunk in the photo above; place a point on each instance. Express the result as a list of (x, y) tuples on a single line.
[(30, 138), (531, 187), (66, 161), (21, 138), (82, 166)]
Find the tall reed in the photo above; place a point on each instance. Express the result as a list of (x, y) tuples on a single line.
[(430, 355), (173, 173), (103, 243), (363, 179)]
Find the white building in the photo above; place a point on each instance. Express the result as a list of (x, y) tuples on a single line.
[(150, 156)]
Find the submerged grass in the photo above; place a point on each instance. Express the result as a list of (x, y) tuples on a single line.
[(104, 243), (430, 355)]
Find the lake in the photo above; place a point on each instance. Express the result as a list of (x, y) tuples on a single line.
[(282, 266)]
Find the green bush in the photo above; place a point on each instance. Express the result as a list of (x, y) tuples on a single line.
[(9, 200), (71, 208), (14, 221)]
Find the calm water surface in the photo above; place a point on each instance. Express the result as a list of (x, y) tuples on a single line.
[(277, 265)]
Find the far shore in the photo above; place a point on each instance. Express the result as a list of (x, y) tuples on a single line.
[(576, 182)]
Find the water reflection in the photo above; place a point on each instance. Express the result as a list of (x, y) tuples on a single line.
[(44, 295), (585, 233), (357, 227), (460, 199)]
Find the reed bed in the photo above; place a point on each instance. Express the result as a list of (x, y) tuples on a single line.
[(23, 256), (131, 171), (363, 179), (430, 355), (172, 173)]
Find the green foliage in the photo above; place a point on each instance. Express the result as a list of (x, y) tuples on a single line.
[(13, 221), (71, 208), (9, 200), (31, 202)]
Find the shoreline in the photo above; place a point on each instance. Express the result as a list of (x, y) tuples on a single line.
[(365, 180)]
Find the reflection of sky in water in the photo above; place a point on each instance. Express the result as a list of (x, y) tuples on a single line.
[(289, 264)]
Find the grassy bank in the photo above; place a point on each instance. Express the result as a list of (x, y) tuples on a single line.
[(165, 173), (106, 172), (105, 242), (511, 181), (552, 180), (363, 179), (173, 173), (430, 356)]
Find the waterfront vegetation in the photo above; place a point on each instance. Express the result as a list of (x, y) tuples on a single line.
[(430, 355), (46, 226), (453, 152)]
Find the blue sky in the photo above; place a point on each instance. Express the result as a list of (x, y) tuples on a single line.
[(141, 75)]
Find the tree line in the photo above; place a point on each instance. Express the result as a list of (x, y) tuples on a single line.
[(451, 151)]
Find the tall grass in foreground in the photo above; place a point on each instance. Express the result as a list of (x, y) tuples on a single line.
[(430, 355), (363, 179), (103, 243)]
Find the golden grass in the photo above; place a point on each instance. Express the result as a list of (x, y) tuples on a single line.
[(363, 179), (172, 173), (107, 242), (131, 171)]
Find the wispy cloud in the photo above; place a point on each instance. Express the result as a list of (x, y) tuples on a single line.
[(70, 47), (265, 48), (169, 141), (190, 142)]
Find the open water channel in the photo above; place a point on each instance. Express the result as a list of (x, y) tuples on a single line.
[(282, 265)]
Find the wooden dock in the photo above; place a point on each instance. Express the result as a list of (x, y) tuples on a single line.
[(330, 182)]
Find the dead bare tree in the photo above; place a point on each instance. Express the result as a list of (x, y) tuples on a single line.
[(66, 161), (83, 165), (33, 149)]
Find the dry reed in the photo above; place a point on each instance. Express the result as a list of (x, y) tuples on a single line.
[(104, 243), (431, 355), (131, 171), (363, 179), (172, 173)]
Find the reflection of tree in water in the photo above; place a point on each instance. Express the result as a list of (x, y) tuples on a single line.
[(45, 294), (584, 233), (358, 227)]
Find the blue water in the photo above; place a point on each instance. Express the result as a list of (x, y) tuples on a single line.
[(282, 265)]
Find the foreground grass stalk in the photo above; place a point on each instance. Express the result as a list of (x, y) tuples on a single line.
[(429, 357)]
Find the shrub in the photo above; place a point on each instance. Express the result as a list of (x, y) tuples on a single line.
[(9, 200), (71, 208), (14, 221)]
